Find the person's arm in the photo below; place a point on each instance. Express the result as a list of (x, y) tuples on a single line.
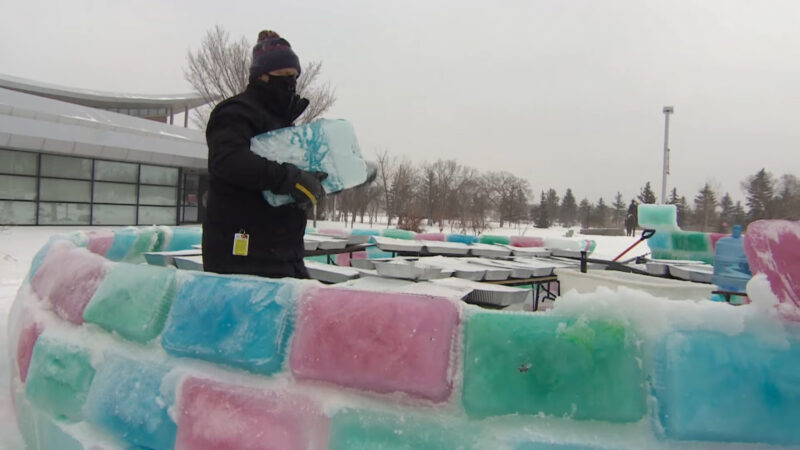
[(229, 157)]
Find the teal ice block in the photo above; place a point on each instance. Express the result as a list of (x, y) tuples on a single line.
[(658, 216)]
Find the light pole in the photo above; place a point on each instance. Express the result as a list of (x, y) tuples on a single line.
[(667, 111)]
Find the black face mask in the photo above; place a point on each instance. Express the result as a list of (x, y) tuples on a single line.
[(284, 98), (282, 84)]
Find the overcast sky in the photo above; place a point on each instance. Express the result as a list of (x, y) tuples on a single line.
[(563, 93)]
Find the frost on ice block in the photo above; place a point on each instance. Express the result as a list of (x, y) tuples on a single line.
[(715, 387), (68, 278), (27, 339), (772, 248), (59, 378), (376, 341), (360, 429), (133, 300), (321, 146), (243, 322), (128, 400), (522, 364), (217, 416)]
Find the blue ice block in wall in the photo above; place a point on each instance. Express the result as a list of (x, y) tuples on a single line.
[(183, 238), (323, 145), (715, 387), (462, 238), (239, 321), (128, 400), (124, 238)]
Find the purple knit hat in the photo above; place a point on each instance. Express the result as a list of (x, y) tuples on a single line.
[(272, 52)]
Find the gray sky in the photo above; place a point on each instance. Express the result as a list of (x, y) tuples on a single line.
[(563, 93)]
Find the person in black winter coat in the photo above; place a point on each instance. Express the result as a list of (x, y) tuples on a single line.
[(242, 233)]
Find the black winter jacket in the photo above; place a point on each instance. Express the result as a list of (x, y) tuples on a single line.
[(237, 178)]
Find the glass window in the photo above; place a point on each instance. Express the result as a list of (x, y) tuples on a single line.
[(113, 215), (20, 163), (115, 171), (66, 167), (114, 193), (17, 188), (157, 215), (159, 175), (17, 213), (63, 214), (157, 195), (65, 190)]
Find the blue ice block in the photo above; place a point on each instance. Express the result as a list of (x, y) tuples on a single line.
[(462, 238), (124, 239), (715, 387), (323, 145), (183, 238), (731, 269), (364, 232), (239, 321), (127, 399)]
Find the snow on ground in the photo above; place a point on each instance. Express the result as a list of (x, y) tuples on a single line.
[(18, 245)]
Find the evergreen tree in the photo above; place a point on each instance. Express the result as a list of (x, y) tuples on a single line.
[(568, 212), (585, 212), (551, 200), (541, 218), (646, 195), (619, 209), (787, 205), (726, 207), (601, 213), (705, 206), (760, 189), (681, 208), (739, 215)]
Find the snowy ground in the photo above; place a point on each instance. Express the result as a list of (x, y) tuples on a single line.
[(19, 244)]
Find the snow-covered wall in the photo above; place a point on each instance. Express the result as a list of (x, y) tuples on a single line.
[(110, 353)]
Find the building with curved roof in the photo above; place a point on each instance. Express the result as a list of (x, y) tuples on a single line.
[(80, 157)]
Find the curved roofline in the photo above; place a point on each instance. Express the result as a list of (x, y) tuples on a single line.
[(101, 99)]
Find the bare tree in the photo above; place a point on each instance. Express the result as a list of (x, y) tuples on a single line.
[(386, 165), (220, 68)]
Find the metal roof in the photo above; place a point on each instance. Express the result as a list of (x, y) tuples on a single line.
[(100, 99), (33, 123)]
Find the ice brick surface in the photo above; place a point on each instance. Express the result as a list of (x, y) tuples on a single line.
[(59, 378), (237, 321), (715, 387), (218, 416), (374, 341), (27, 339), (128, 400), (133, 300), (68, 278), (524, 364), (773, 248)]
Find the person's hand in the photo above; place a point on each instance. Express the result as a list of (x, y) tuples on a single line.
[(304, 186)]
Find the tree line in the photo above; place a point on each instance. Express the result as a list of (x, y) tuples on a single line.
[(457, 198)]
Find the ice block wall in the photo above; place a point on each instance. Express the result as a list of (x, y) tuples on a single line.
[(669, 241), (125, 355)]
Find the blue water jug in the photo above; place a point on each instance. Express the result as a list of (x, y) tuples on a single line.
[(731, 271)]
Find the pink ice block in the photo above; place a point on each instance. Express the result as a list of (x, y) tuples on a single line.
[(343, 259), (67, 279), (714, 237), (431, 237), (27, 339), (772, 248), (100, 241), (376, 341), (526, 241), (218, 416)]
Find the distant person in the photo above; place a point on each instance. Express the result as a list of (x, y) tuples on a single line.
[(631, 219), (242, 233)]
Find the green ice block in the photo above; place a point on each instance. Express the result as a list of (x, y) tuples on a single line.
[(657, 216), (59, 378), (163, 235), (489, 239), (366, 430), (398, 234), (691, 241), (145, 240), (524, 364), (133, 300)]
